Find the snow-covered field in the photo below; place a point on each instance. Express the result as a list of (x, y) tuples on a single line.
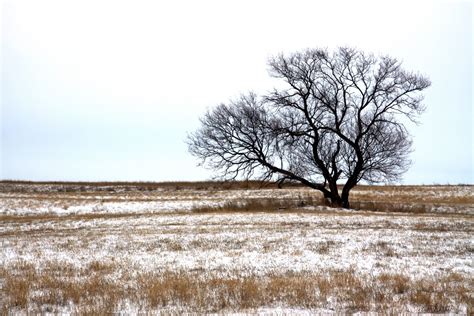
[(120, 249)]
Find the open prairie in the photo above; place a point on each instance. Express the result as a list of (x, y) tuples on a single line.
[(99, 248)]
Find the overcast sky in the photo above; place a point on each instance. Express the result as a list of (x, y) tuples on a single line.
[(108, 90)]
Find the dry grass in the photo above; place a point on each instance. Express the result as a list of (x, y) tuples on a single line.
[(383, 206), (92, 290), (63, 195), (384, 248), (206, 185), (323, 247), (261, 205), (97, 284), (57, 186), (70, 217), (412, 199)]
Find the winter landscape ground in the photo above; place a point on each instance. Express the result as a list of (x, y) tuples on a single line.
[(236, 248)]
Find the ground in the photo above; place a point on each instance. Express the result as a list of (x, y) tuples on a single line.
[(217, 248)]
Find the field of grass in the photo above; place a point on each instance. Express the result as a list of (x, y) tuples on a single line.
[(100, 248)]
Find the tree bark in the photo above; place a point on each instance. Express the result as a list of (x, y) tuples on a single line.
[(336, 200)]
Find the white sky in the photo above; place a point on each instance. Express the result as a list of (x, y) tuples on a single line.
[(108, 90)]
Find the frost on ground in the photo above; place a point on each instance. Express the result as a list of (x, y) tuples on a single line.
[(150, 252), (34, 199)]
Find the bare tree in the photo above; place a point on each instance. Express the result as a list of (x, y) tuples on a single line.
[(339, 119)]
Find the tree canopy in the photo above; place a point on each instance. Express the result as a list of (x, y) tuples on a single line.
[(338, 118)]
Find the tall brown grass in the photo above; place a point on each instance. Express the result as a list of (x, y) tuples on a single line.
[(382, 206), (92, 289), (262, 205)]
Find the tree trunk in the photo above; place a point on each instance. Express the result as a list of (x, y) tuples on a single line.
[(338, 201), (333, 198), (345, 202)]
